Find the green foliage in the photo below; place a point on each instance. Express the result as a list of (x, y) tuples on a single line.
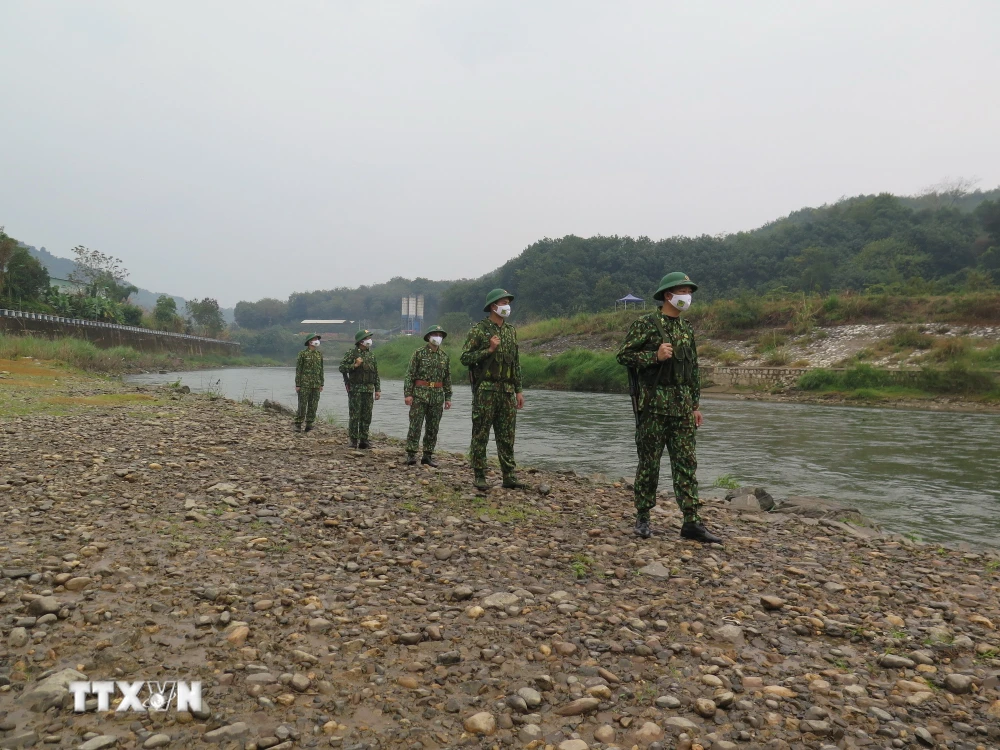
[(727, 482), (905, 337), (947, 240), (581, 566), (576, 370), (84, 355), (948, 349), (777, 358), (770, 341), (131, 315), (732, 316), (730, 357), (457, 324), (7, 247), (101, 275), (870, 382), (869, 242), (206, 315), (264, 313), (85, 307), (275, 342), (23, 279), (166, 308), (165, 314)]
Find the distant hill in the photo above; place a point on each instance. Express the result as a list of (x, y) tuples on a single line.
[(946, 239), (61, 268), (937, 242)]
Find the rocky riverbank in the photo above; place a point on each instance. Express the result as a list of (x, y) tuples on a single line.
[(332, 597)]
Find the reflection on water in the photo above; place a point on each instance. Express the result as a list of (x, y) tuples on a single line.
[(933, 473)]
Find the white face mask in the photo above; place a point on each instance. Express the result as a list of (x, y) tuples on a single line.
[(503, 311), (436, 340), (681, 301), (367, 343), (315, 342)]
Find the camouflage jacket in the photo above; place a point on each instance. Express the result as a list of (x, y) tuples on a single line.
[(499, 370), (429, 365), (673, 387), (309, 369), (364, 377)]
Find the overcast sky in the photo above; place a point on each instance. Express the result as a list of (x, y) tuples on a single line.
[(248, 149)]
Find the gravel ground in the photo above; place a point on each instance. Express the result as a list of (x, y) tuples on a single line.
[(328, 597)]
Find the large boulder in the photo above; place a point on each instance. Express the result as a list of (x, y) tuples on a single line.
[(51, 691), (750, 499)]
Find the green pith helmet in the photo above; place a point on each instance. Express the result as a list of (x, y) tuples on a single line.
[(313, 336), (494, 296), (435, 329), (677, 278), (361, 336)]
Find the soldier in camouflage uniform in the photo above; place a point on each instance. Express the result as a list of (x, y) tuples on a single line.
[(660, 352), (308, 382), (490, 353), (427, 391), (360, 370)]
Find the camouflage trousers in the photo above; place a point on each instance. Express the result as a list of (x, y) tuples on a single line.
[(496, 409), (677, 434), (425, 408), (359, 406), (308, 403)]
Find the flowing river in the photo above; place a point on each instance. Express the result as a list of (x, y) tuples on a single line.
[(935, 474)]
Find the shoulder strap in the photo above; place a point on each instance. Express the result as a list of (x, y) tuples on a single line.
[(659, 328)]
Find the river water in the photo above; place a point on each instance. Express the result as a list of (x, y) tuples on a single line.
[(935, 474)]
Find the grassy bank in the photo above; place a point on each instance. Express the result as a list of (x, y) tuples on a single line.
[(797, 313), (935, 365), (117, 360), (575, 370), (866, 383)]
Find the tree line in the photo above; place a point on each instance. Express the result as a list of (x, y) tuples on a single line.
[(100, 291), (943, 241)]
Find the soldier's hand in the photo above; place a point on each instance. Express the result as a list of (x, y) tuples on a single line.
[(408, 400), (378, 395), (321, 389), (296, 389), (494, 343), (447, 404), (698, 418), (358, 361), (666, 351), (519, 398)]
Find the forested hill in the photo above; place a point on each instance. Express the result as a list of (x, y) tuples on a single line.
[(866, 243), (931, 243)]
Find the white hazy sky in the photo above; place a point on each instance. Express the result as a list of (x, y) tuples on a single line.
[(249, 149)]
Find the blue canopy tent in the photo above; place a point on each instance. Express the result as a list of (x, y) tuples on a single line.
[(630, 298)]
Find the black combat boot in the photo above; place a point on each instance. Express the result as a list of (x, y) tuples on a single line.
[(428, 460), (309, 428), (411, 459), (642, 527), (696, 531), (480, 482), (297, 427), (354, 443), (513, 483), (364, 444)]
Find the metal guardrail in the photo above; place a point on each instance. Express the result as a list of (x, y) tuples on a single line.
[(100, 324)]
